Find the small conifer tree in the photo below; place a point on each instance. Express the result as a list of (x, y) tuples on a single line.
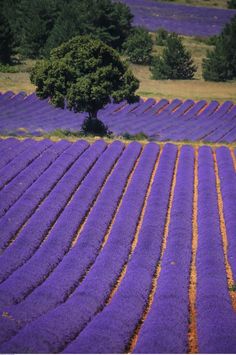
[(175, 62), (220, 63)]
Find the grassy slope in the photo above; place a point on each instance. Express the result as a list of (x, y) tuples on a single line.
[(195, 89)]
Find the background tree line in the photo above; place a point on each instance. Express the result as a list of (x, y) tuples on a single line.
[(38, 26), (32, 28)]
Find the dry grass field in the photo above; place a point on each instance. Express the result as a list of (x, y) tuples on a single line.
[(196, 89)]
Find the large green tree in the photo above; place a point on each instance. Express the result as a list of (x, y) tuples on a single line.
[(175, 62), (220, 63), (86, 74)]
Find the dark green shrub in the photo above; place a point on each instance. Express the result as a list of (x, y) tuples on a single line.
[(94, 126), (138, 46), (231, 4), (161, 37)]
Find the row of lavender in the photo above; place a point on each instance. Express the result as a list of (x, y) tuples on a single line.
[(89, 268), (182, 19), (160, 120)]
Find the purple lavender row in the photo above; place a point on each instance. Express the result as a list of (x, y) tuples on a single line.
[(111, 330), (228, 190), (166, 327), (230, 136), (66, 277), (224, 127), (208, 126), (189, 116), (29, 175), (11, 170), (11, 152), (221, 125), (216, 320), (37, 228), (43, 262), (152, 128), (148, 116), (178, 115), (18, 214), (8, 143), (183, 132), (6, 95), (13, 100), (47, 333), (131, 117), (152, 120)]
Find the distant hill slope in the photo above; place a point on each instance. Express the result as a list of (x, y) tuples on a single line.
[(183, 19)]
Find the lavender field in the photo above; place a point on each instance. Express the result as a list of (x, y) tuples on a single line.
[(160, 120), (145, 267), (182, 19)]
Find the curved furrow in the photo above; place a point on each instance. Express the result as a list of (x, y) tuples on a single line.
[(15, 189), (225, 240), (43, 220), (228, 190), (16, 217), (233, 155), (69, 273), (165, 329), (43, 262), (11, 170), (216, 320), (92, 294), (125, 309), (192, 330), (8, 143), (8, 154)]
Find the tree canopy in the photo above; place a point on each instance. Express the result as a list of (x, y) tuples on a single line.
[(220, 63), (40, 25), (138, 46), (175, 62), (85, 74), (6, 40)]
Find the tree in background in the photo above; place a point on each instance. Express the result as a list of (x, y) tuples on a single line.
[(6, 40), (36, 19), (138, 46), (175, 62), (40, 25), (231, 4), (86, 74), (161, 37), (220, 64)]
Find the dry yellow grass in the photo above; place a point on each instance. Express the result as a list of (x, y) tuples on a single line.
[(183, 89), (16, 82)]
